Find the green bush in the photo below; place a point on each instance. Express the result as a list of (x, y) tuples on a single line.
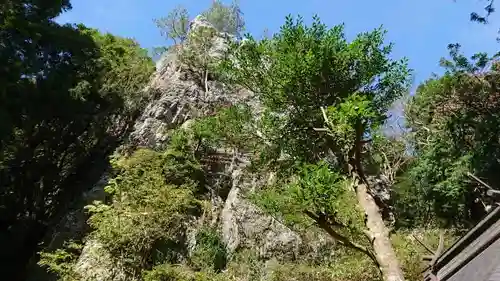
[(347, 265), (353, 266), (294, 272), (245, 265), (316, 189), (210, 252), (153, 196), (62, 261)]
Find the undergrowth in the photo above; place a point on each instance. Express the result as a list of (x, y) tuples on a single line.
[(154, 196)]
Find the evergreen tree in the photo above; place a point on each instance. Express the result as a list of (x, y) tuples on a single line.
[(324, 97)]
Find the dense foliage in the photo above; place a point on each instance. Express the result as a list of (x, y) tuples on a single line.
[(483, 17), (128, 69), (62, 89), (151, 200), (322, 97), (69, 94), (454, 121), (350, 78), (226, 18)]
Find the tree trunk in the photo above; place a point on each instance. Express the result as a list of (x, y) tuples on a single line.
[(379, 236)]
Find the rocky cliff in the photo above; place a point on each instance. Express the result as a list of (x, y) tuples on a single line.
[(176, 98)]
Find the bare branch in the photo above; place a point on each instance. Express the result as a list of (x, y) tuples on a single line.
[(206, 82), (423, 245), (439, 250), (340, 238), (479, 181)]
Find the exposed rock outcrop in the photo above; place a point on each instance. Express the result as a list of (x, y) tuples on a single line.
[(96, 263), (178, 95), (71, 227), (380, 189), (73, 224), (177, 99), (245, 225)]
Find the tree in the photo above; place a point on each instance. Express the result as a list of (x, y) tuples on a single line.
[(60, 93), (151, 197), (48, 102), (128, 68), (323, 97), (489, 9), (175, 25), (453, 121), (388, 156), (152, 193), (198, 55), (226, 18)]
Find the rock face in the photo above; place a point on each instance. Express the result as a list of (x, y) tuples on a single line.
[(380, 189), (177, 99), (73, 223), (96, 264), (178, 96), (245, 225)]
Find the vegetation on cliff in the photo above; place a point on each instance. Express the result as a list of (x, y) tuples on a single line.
[(69, 95)]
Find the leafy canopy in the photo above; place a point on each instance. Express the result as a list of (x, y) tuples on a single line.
[(153, 193), (322, 96), (318, 190), (303, 68), (128, 67), (175, 25), (454, 121), (65, 95)]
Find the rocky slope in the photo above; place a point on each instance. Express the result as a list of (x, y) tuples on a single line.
[(176, 99)]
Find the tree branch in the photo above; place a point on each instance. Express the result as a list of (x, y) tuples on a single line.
[(358, 144), (439, 249), (423, 245), (479, 180), (342, 239), (206, 82)]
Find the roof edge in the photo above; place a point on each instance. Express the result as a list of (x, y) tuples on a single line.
[(492, 217)]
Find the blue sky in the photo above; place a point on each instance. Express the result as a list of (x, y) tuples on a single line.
[(420, 29)]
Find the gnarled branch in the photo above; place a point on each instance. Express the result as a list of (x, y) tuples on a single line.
[(342, 239)]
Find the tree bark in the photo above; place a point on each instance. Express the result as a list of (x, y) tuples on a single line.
[(379, 236), (377, 232)]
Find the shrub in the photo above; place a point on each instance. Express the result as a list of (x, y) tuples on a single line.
[(245, 265), (62, 261), (348, 265), (153, 196), (410, 252), (210, 252)]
